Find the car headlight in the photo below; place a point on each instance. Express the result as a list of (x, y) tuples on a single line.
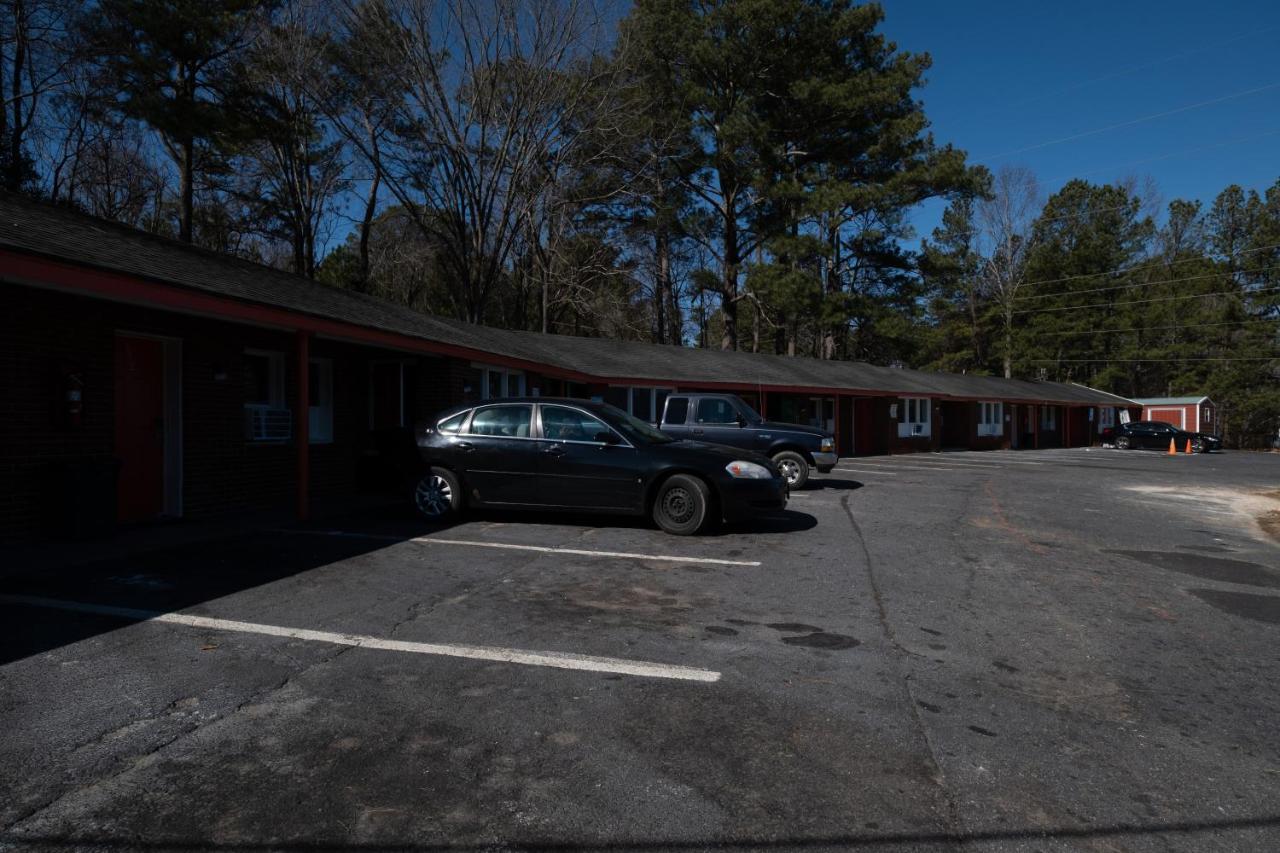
[(742, 470), (828, 445)]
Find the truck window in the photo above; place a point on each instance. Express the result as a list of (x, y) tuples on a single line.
[(677, 410), (716, 410)]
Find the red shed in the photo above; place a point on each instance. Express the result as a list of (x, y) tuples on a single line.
[(1195, 414)]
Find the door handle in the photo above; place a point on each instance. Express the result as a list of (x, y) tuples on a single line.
[(465, 446), (555, 449), (697, 432)]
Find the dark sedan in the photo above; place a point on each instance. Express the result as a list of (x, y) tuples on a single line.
[(1156, 435), (543, 453)]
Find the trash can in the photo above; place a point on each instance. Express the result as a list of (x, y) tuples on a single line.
[(82, 498)]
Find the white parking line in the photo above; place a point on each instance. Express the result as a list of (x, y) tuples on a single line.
[(967, 462), (556, 660), (542, 549), (890, 471)]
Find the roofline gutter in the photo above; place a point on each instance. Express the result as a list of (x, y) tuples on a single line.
[(53, 274), (34, 269)]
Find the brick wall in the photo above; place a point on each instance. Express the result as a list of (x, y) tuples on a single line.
[(45, 334)]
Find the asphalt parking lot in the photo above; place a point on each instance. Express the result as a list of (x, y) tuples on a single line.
[(1045, 650)]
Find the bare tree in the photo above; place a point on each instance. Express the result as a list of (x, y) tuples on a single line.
[(1004, 221), (297, 167), (34, 58), (488, 98)]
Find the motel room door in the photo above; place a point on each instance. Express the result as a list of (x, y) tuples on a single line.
[(140, 427)]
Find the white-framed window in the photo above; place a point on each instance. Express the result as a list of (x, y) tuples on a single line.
[(913, 417), (266, 417), (646, 402), (1106, 418), (498, 382), (990, 418), (1048, 417), (320, 400)]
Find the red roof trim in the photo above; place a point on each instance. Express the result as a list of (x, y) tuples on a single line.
[(120, 287), (136, 290)]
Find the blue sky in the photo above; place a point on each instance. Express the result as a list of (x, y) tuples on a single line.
[(1009, 77)]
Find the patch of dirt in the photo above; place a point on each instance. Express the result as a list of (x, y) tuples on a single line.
[(1259, 510)]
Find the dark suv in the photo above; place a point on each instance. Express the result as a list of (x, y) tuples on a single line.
[(726, 419)]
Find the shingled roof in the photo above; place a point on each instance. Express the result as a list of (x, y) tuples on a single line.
[(49, 231)]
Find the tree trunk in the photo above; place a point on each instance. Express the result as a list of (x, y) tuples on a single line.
[(13, 173), (366, 226), (1008, 342), (729, 281), (186, 190), (662, 246)]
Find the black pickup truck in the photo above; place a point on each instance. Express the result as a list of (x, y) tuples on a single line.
[(726, 419)]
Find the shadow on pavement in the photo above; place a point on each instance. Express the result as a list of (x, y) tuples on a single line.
[(163, 580), (849, 841)]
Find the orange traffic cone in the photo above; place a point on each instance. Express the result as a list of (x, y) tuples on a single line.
[(1173, 447), (1188, 445)]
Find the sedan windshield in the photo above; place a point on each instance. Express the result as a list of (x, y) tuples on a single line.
[(636, 430)]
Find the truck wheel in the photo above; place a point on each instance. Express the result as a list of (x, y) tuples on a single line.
[(794, 468), (438, 495), (681, 505)]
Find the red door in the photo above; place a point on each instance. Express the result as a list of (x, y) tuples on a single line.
[(140, 427)]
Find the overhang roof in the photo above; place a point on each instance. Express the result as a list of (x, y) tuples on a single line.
[(1171, 401), (47, 231)]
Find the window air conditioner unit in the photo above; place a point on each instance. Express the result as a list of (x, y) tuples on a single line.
[(264, 424)]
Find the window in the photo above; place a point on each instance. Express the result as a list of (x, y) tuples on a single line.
[(320, 400), (453, 424), (913, 417), (677, 410), (1106, 418), (1048, 417), (266, 418), (264, 378), (562, 424), (499, 382), (502, 421), (641, 401), (712, 410), (991, 419)]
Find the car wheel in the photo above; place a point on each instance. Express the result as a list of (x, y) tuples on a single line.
[(438, 495), (794, 468), (681, 505), (1122, 442)]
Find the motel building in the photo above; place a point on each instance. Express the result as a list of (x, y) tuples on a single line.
[(145, 379)]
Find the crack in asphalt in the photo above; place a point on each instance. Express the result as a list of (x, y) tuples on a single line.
[(952, 819)]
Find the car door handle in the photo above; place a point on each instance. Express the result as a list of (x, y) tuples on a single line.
[(555, 449), (697, 432), (465, 446)]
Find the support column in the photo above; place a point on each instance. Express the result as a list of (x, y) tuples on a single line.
[(1034, 412), (302, 423)]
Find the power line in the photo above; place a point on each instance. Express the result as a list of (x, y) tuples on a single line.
[(1140, 360), (1120, 72), (1243, 322), (1218, 274), (1144, 301), (1144, 265), (1130, 164), (1134, 121)]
